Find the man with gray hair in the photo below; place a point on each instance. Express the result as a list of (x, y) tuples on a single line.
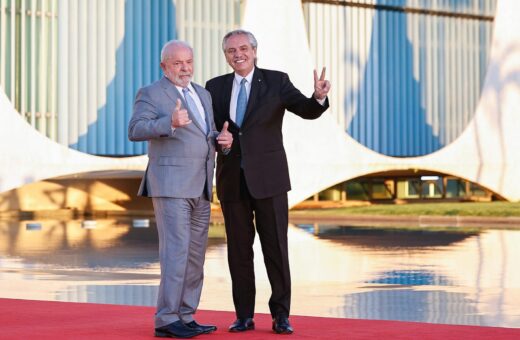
[(253, 179), (175, 116)]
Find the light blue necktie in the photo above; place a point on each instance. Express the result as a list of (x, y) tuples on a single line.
[(241, 103), (193, 108)]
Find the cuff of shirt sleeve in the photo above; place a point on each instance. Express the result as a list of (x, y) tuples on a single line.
[(321, 101)]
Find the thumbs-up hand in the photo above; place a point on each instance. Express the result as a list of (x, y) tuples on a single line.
[(180, 116), (225, 138)]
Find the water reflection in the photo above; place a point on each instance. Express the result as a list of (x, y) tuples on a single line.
[(443, 275), (33, 226), (412, 278), (390, 237), (435, 306), (141, 295)]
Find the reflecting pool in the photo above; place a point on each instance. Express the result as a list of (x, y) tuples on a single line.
[(440, 275)]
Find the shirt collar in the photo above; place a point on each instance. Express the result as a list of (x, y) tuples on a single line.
[(249, 77), (190, 87)]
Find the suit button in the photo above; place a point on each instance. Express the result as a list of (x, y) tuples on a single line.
[(240, 133)]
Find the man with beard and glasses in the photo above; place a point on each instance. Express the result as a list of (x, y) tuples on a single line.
[(175, 116)]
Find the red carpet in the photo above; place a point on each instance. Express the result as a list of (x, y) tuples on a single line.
[(28, 319)]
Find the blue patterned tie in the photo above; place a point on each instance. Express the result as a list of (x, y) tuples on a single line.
[(193, 108), (241, 103)]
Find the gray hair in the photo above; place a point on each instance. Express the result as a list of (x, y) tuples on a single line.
[(250, 36), (165, 53)]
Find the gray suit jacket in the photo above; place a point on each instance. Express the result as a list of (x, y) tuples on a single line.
[(181, 162)]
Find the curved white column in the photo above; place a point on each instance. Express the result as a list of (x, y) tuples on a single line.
[(28, 156), (321, 154)]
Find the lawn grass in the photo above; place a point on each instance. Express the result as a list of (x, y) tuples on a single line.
[(491, 209)]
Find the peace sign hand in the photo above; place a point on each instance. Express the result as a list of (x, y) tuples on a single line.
[(321, 85)]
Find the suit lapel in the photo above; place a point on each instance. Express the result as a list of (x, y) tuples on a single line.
[(174, 94), (257, 87), (205, 105), (171, 91), (226, 98)]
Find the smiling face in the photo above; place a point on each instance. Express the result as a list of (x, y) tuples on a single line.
[(178, 64), (239, 53)]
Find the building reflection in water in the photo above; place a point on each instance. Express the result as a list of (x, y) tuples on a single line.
[(443, 275)]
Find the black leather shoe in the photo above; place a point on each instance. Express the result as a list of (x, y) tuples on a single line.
[(204, 328), (242, 325), (281, 325), (176, 330)]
